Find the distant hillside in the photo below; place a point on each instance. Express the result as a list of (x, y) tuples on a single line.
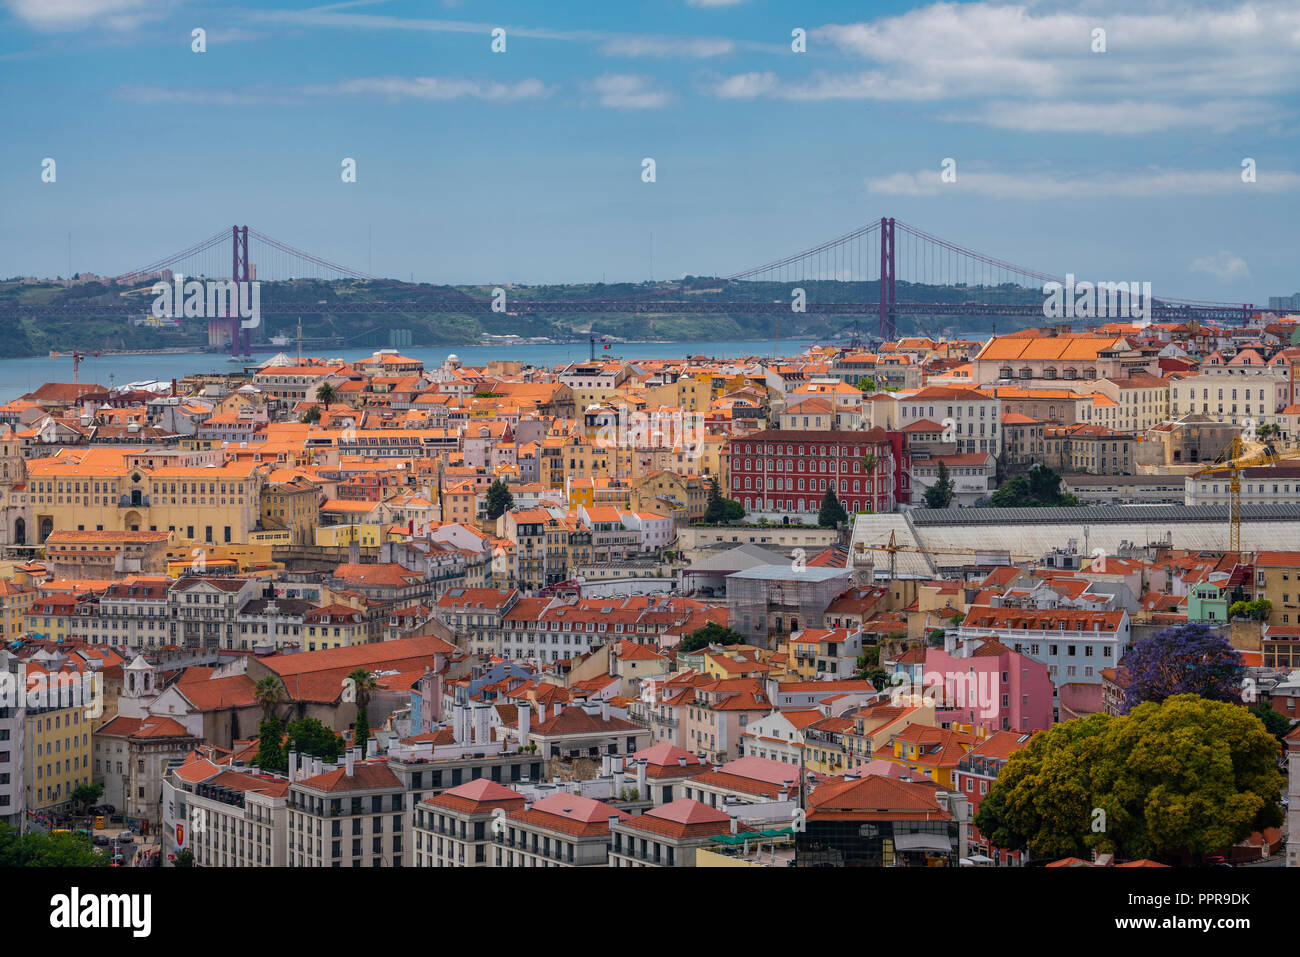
[(437, 316)]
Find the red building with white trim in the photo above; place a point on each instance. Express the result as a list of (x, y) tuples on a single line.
[(786, 472)]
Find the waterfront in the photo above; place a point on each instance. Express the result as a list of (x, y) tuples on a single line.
[(20, 376)]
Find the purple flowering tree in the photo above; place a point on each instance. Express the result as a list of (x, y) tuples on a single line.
[(1188, 659)]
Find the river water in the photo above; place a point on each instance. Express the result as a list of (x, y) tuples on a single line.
[(20, 376)]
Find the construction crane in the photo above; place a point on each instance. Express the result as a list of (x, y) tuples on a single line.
[(1234, 459), (77, 359)]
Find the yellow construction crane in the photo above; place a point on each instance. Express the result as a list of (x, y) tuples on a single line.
[(1233, 460)]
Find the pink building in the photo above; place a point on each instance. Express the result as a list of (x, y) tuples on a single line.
[(1005, 690)]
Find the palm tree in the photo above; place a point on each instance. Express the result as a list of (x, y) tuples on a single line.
[(269, 692), (363, 683), (326, 394)]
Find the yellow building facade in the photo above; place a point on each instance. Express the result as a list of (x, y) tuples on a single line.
[(96, 490)]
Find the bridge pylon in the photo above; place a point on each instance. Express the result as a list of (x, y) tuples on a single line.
[(888, 313)]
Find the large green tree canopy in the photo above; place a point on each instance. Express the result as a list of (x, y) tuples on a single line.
[(1183, 776)]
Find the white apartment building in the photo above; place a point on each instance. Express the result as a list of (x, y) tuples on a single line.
[(350, 816), (1230, 395), (973, 476), (238, 819), (1075, 644), (13, 717), (973, 417), (456, 828), (561, 830), (1263, 485)]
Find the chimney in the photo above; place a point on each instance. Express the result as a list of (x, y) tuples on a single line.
[(525, 717), (613, 819), (316, 766), (174, 392), (604, 765), (293, 755), (734, 826), (350, 761), (681, 761), (640, 779), (558, 707), (372, 746), (604, 709)]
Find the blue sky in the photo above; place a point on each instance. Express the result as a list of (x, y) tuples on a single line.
[(525, 166)]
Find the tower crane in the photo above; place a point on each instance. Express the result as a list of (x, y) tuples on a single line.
[(1234, 459)]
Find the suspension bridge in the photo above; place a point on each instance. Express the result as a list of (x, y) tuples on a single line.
[(882, 271)]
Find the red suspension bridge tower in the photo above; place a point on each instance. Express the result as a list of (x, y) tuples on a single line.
[(888, 314)]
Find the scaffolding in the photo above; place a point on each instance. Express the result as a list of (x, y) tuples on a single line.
[(768, 602)]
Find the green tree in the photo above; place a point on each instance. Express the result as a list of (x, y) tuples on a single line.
[(326, 394), (714, 510), (36, 849), (1183, 776), (867, 384), (1039, 488), (184, 859), (721, 510), (312, 415), (84, 796), (499, 499), (710, 634), (1276, 723), (271, 755), (310, 736), (939, 495), (832, 513)]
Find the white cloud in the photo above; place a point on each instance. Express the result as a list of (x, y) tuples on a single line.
[(389, 87), (745, 86), (1038, 185), (1025, 66), (625, 91), (1123, 116), (605, 42), (667, 46), (81, 14), (430, 88), (1224, 266)]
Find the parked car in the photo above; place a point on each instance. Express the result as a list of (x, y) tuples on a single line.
[(101, 840), (126, 837)]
